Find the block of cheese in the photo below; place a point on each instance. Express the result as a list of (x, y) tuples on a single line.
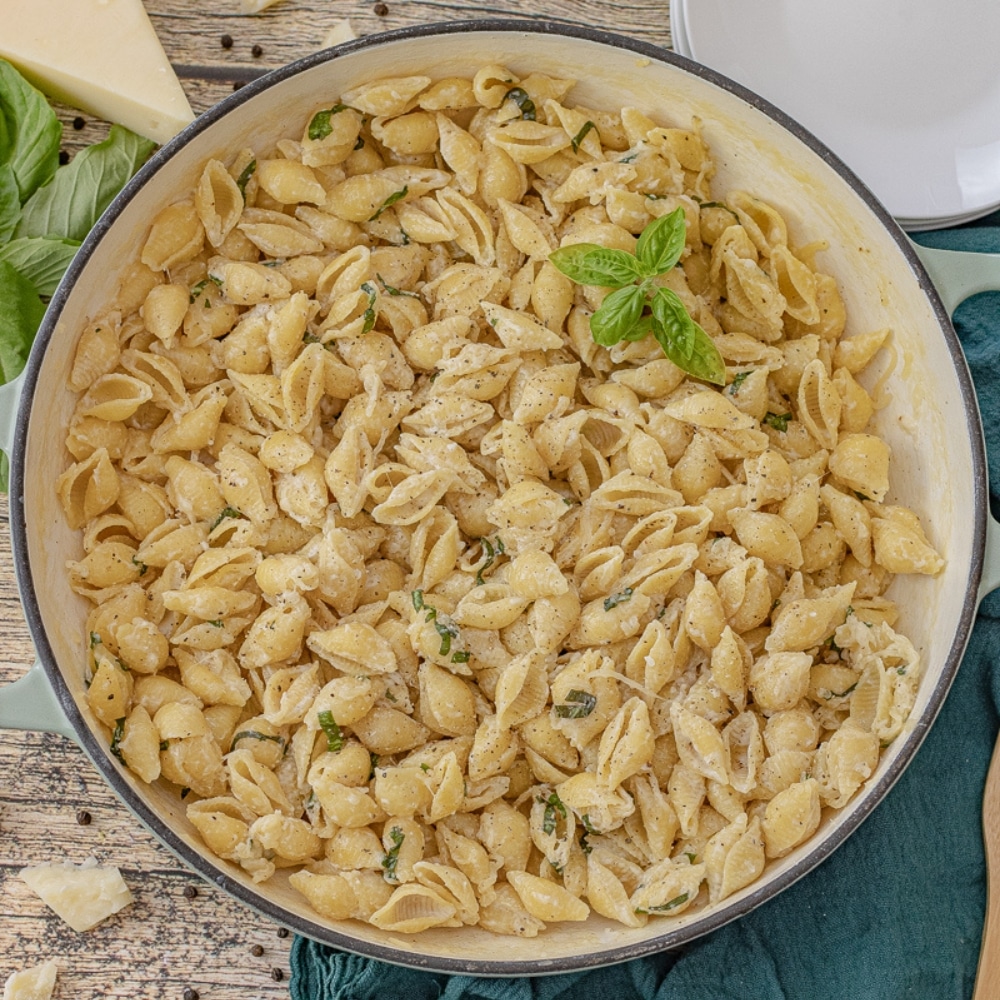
[(83, 896), (101, 56), (36, 983)]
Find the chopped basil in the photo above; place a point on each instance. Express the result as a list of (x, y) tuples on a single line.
[(226, 512), (664, 907), (142, 567), (583, 704), (691, 856), (390, 201), (425, 768), (372, 293), (553, 805), (738, 379), (844, 694), (901, 670), (520, 97), (164, 745), (196, 290), (95, 639), (581, 135), (253, 734), (334, 737), (245, 174), (447, 631), (461, 657), (310, 338), (629, 157), (491, 554), (779, 421), (116, 738), (391, 859), (417, 596), (215, 623), (373, 757), (320, 126), (615, 599), (587, 825), (389, 290)]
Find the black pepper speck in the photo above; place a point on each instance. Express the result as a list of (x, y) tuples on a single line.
[(83, 817), (78, 123), (226, 41), (190, 892), (256, 52), (63, 157), (257, 950), (381, 10), (190, 994), (277, 975), (282, 932)]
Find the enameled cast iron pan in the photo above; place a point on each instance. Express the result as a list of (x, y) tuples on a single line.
[(931, 423)]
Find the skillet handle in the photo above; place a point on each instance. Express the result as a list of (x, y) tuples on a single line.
[(10, 397), (957, 274), (29, 703)]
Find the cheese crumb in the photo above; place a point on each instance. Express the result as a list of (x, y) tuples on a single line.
[(342, 31), (82, 896), (36, 983)]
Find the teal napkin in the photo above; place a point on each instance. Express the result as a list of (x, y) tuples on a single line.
[(895, 913)]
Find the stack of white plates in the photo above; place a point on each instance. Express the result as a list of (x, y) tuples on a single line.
[(907, 92)]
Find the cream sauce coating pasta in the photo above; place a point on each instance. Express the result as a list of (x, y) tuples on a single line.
[(420, 592)]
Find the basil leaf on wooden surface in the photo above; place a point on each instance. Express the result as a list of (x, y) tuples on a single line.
[(31, 133), (41, 261), (21, 312), (70, 204), (10, 201), (590, 264)]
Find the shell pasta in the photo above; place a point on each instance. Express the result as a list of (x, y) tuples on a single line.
[(411, 587)]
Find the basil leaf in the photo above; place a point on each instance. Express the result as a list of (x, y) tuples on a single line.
[(581, 135), (617, 315), (661, 243), (31, 133), (779, 421), (520, 97), (683, 341), (21, 312), (334, 737), (41, 261), (590, 264), (70, 204), (391, 859), (244, 179), (390, 201), (320, 127), (641, 329), (10, 201)]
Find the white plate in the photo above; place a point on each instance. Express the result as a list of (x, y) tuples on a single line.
[(906, 91), (678, 29)]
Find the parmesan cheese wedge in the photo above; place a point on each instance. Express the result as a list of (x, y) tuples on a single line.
[(83, 896), (101, 56), (36, 983)]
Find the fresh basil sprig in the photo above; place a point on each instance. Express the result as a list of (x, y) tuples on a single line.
[(638, 306)]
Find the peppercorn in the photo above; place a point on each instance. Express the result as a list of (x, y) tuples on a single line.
[(78, 123), (190, 994), (63, 157), (256, 52), (277, 975), (83, 817), (282, 932), (226, 41), (257, 950), (190, 892), (381, 10)]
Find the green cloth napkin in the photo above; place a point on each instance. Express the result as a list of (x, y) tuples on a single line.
[(895, 913)]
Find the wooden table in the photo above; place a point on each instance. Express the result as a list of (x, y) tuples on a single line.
[(182, 934)]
